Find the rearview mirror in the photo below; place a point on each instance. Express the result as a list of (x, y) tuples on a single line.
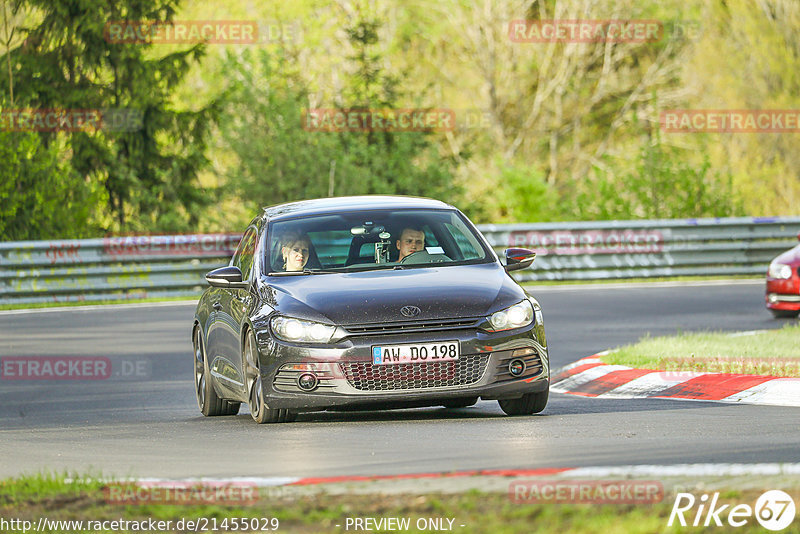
[(518, 258), (227, 277)]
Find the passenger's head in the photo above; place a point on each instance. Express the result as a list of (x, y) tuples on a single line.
[(412, 239), (295, 248)]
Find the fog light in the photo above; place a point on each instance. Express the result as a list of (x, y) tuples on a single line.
[(307, 382), (516, 367)]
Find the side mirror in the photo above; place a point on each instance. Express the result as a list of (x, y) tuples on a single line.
[(518, 258), (227, 277)]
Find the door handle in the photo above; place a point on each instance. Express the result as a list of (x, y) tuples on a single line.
[(217, 306)]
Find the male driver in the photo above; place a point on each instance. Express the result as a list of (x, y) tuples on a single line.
[(411, 240)]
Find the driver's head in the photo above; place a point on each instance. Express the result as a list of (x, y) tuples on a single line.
[(411, 240), (295, 249)]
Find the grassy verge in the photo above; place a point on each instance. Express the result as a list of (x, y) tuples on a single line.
[(32, 498), (773, 352)]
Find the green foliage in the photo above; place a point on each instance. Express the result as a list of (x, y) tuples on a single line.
[(41, 197), (148, 166), (665, 184), (566, 134), (279, 160), (523, 195)]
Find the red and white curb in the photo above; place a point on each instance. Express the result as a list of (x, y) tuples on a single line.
[(591, 377), (474, 478)]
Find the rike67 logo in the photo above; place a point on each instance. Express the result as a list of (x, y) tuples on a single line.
[(774, 510)]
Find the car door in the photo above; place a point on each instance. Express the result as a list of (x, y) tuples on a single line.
[(225, 360), (242, 301)]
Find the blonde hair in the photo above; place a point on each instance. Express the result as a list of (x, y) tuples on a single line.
[(290, 239)]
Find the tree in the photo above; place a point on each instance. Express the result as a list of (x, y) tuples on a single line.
[(149, 166), (279, 160), (41, 196), (665, 184)]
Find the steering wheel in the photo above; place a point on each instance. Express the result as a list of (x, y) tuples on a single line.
[(423, 256)]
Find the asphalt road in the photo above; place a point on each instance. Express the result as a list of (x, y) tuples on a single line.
[(143, 419)]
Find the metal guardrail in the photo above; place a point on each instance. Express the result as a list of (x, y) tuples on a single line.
[(165, 266)]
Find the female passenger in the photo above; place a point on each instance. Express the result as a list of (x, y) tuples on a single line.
[(295, 249)]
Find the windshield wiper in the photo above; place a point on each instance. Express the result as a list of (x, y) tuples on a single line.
[(303, 272), (372, 267)]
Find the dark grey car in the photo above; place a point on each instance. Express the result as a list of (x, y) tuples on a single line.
[(361, 325)]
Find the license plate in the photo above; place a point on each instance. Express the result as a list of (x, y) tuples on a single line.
[(442, 351)]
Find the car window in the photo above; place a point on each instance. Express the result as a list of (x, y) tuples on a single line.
[(467, 244), (245, 253), (367, 239)]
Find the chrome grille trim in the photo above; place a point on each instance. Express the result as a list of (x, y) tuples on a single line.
[(413, 326), (365, 376)]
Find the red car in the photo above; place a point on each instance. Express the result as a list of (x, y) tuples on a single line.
[(783, 284)]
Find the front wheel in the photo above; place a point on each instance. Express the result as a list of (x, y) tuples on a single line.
[(528, 404), (258, 408), (207, 400)]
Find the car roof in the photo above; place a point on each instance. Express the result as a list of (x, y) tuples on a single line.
[(339, 204)]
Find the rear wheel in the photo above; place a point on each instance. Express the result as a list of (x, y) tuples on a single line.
[(258, 408), (207, 400), (528, 404), (785, 314)]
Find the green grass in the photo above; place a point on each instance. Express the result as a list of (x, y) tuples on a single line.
[(774, 352), (29, 498)]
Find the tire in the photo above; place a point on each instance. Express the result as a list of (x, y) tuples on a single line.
[(258, 409), (207, 400), (529, 404), (460, 403), (785, 314)]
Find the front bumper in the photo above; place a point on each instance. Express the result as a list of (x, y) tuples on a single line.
[(348, 379)]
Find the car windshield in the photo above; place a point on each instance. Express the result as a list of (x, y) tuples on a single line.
[(370, 240)]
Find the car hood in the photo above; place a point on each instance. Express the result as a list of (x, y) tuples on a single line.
[(378, 296)]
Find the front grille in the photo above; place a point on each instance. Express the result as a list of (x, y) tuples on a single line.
[(412, 326), (366, 376)]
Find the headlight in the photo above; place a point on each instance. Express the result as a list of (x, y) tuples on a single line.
[(538, 318), (779, 270), (516, 316), (290, 329)]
